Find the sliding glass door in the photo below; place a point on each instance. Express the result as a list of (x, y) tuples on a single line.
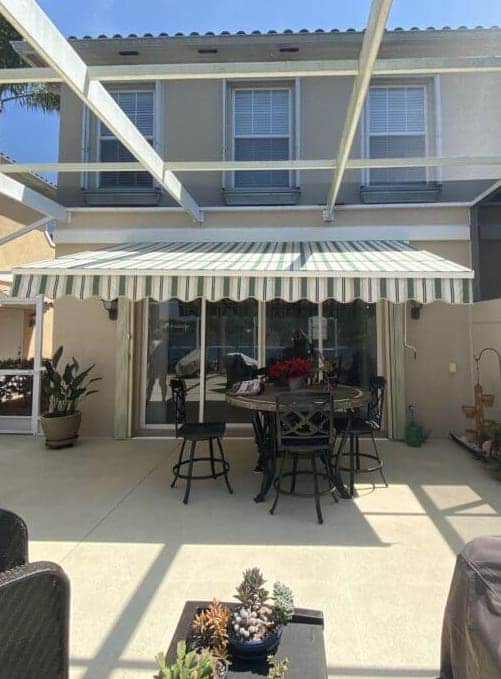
[(173, 345), (231, 354), (240, 337)]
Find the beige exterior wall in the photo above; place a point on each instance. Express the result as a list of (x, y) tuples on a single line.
[(461, 108), (85, 331), (112, 225), (16, 332)]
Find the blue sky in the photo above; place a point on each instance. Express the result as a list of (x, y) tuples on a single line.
[(33, 137)]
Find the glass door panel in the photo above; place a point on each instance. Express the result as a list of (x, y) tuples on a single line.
[(173, 350), (291, 330), (350, 341), (231, 354)]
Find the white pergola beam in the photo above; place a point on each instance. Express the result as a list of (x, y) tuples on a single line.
[(35, 226), (14, 189), (31, 22), (486, 193), (373, 37), (256, 165), (261, 69)]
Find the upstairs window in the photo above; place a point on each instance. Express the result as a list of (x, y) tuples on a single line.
[(262, 131), (139, 108), (396, 128)]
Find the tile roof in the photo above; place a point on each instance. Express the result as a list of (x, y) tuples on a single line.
[(287, 31)]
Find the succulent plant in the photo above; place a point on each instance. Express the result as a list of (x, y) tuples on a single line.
[(209, 629), (253, 619), (283, 610), (188, 665), (277, 668)]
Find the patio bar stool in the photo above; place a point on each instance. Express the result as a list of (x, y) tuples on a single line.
[(356, 426), (195, 432), (305, 433)]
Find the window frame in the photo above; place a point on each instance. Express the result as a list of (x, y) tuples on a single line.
[(291, 136), (366, 136), (153, 138)]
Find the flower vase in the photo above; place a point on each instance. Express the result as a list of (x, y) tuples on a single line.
[(296, 383)]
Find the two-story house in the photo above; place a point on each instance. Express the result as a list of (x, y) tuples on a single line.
[(382, 288)]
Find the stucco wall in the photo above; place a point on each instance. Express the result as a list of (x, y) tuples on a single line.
[(441, 337), (28, 248), (86, 332)]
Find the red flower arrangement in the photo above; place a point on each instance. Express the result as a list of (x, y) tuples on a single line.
[(295, 367)]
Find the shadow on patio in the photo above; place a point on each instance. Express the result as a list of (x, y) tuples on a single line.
[(379, 567)]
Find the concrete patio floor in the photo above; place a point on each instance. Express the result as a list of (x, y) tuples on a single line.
[(379, 567)]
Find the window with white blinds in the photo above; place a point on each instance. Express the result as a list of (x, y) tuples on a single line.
[(139, 108), (262, 131), (396, 128)]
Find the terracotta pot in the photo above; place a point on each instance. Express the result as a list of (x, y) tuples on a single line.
[(61, 432), (469, 411), (488, 400)]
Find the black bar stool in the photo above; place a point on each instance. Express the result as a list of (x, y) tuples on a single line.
[(356, 426), (195, 432), (305, 431)]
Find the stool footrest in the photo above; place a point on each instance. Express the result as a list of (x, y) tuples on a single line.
[(217, 460)]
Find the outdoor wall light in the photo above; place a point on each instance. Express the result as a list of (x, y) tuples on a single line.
[(111, 306), (416, 310)]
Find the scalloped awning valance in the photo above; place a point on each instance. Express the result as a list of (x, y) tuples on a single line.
[(313, 270)]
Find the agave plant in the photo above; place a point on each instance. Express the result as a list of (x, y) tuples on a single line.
[(64, 390)]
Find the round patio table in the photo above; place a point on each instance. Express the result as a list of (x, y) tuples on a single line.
[(262, 407)]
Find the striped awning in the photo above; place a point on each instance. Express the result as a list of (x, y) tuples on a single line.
[(315, 271)]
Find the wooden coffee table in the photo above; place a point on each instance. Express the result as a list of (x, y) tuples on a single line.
[(302, 643)]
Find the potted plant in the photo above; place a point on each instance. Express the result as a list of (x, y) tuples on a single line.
[(64, 391), (209, 631), (188, 665), (256, 625), (292, 372)]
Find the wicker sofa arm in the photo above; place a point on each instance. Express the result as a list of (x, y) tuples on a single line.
[(34, 622), (13, 540)]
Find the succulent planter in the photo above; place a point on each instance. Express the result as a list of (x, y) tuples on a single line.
[(256, 649), (61, 432), (469, 411), (488, 400)]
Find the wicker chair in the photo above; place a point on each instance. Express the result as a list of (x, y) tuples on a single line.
[(34, 622), (13, 540)]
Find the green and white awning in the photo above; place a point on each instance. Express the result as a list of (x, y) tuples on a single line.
[(315, 271)]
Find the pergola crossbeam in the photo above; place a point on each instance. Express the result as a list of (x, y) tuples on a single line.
[(373, 37), (14, 189), (256, 165), (31, 22), (260, 69)]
